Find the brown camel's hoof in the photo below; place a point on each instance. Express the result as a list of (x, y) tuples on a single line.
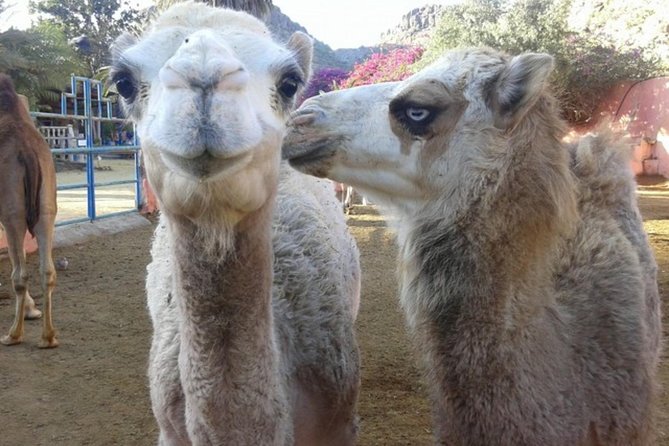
[(9, 340), (32, 314), (48, 343)]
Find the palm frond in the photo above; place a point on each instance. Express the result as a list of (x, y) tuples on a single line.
[(258, 8)]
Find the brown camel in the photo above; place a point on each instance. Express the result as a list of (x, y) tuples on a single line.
[(27, 202)]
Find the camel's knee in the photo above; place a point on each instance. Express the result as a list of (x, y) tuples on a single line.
[(20, 278), (49, 278)]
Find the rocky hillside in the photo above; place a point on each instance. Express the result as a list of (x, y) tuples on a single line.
[(413, 29), (350, 56)]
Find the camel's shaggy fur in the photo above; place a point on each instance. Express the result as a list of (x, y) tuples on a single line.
[(526, 276), (27, 202), (252, 303)]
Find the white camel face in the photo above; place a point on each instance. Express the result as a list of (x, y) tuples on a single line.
[(210, 92), (405, 143)]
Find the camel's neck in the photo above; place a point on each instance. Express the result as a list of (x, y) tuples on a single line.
[(493, 244), (477, 281), (223, 289), (448, 277), (225, 298), (229, 360)]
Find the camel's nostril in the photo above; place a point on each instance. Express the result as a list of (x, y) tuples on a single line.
[(171, 78), (306, 116), (304, 119), (232, 80)]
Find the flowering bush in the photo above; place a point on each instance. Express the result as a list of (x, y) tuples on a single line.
[(324, 80), (394, 65)]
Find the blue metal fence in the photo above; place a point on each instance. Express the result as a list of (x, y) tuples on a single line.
[(96, 110)]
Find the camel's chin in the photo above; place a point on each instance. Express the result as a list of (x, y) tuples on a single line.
[(206, 167), (318, 167)]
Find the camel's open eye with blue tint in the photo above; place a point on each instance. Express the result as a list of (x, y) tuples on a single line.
[(417, 114), (414, 117)]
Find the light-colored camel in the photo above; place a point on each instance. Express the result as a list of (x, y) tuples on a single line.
[(27, 202), (254, 283), (526, 276)]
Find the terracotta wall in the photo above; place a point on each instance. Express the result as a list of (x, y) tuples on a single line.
[(641, 109)]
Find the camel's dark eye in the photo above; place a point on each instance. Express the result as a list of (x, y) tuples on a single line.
[(125, 85), (289, 85), (417, 114)]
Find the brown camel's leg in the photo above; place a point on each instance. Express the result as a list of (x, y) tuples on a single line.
[(30, 309), (15, 231), (44, 232)]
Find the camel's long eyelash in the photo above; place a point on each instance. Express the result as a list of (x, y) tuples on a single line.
[(143, 91)]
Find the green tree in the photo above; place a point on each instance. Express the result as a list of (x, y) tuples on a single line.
[(40, 62), (513, 26), (461, 25), (588, 63), (91, 24)]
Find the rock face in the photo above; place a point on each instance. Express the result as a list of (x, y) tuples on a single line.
[(415, 27)]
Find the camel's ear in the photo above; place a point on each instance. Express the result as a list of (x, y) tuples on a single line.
[(519, 86), (303, 48), (122, 43)]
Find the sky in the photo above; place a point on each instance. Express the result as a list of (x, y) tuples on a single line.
[(338, 23), (349, 23)]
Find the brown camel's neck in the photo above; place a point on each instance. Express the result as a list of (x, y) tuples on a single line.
[(229, 361)]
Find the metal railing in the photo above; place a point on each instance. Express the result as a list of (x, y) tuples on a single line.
[(96, 110)]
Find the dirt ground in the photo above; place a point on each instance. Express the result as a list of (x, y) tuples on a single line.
[(92, 389)]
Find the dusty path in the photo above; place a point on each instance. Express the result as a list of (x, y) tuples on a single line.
[(92, 389)]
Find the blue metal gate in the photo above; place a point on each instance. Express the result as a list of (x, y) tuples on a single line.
[(87, 94)]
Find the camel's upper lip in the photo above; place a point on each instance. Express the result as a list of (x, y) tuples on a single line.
[(306, 139)]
